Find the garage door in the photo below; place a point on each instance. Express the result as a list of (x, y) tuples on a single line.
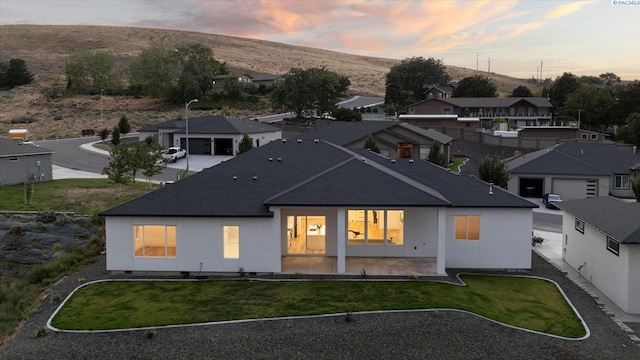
[(197, 146), (571, 189)]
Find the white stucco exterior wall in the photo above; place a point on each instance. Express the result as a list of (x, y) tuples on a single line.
[(199, 245), (505, 239), (616, 276)]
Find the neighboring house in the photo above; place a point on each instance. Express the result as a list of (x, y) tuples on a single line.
[(219, 83), (267, 80), (514, 113), (211, 134), (575, 170), (441, 91), (311, 198), (20, 163), (395, 139), (601, 240), (371, 107)]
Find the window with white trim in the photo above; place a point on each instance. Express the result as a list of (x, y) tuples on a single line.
[(613, 245), (580, 225), (467, 227), (621, 182), (158, 241)]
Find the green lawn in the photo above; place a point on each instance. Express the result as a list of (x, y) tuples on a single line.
[(524, 302), (457, 162), (83, 196)]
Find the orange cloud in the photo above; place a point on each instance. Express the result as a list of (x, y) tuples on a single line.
[(567, 9)]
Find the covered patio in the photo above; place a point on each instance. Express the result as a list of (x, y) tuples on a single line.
[(372, 266)]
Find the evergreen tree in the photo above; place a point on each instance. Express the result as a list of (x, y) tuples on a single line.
[(370, 144), (15, 74), (120, 167), (123, 125), (493, 169), (436, 155), (245, 145), (115, 136)]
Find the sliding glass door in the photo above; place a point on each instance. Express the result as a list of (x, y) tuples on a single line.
[(306, 235)]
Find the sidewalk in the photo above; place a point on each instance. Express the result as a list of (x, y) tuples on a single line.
[(551, 250)]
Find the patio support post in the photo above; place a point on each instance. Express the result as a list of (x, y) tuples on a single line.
[(442, 240), (342, 234)]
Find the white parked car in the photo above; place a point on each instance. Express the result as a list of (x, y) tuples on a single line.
[(172, 154)]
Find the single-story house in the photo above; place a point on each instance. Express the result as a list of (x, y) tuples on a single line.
[(371, 107), (211, 134), (20, 163), (395, 139), (310, 198), (575, 170), (601, 240), (219, 83)]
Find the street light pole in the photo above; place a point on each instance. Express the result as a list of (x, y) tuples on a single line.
[(101, 118), (186, 118)]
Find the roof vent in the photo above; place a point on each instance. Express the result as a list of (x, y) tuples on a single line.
[(490, 188), (235, 178), (411, 161), (284, 141), (582, 152), (363, 159), (255, 178), (315, 141), (270, 159), (393, 161), (279, 159), (299, 141)]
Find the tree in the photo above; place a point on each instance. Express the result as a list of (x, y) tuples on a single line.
[(493, 169), (370, 144), (104, 134), (561, 88), (630, 133), (115, 136), (436, 155), (245, 145), (589, 80), (345, 114), (120, 167), (594, 105), (15, 73), (628, 100), (155, 70), (635, 186), (311, 89), (148, 158), (123, 125), (197, 68), (521, 91), (475, 86), (610, 80), (406, 82), (91, 70)]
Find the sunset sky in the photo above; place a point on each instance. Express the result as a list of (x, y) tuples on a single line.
[(582, 37)]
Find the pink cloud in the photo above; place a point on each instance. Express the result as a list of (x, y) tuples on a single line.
[(567, 9)]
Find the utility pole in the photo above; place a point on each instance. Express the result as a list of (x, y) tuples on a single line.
[(489, 68), (101, 118), (477, 57)]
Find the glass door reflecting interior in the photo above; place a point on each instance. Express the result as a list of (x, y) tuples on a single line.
[(306, 235)]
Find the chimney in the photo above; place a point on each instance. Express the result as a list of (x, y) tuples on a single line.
[(490, 188)]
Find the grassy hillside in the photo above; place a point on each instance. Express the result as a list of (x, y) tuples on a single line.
[(46, 49)]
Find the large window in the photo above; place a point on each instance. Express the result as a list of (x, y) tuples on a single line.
[(621, 182), (375, 227), (306, 234), (154, 240), (231, 242), (613, 245), (467, 227)]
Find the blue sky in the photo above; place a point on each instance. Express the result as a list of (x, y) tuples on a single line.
[(582, 37)]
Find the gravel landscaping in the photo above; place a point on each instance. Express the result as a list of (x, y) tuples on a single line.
[(422, 334)]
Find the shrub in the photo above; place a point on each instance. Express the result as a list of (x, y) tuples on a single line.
[(57, 117), (149, 334), (41, 332), (47, 216)]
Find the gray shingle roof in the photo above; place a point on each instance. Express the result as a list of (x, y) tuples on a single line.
[(576, 158), (343, 133), (10, 147), (614, 217), (213, 124), (312, 173)]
